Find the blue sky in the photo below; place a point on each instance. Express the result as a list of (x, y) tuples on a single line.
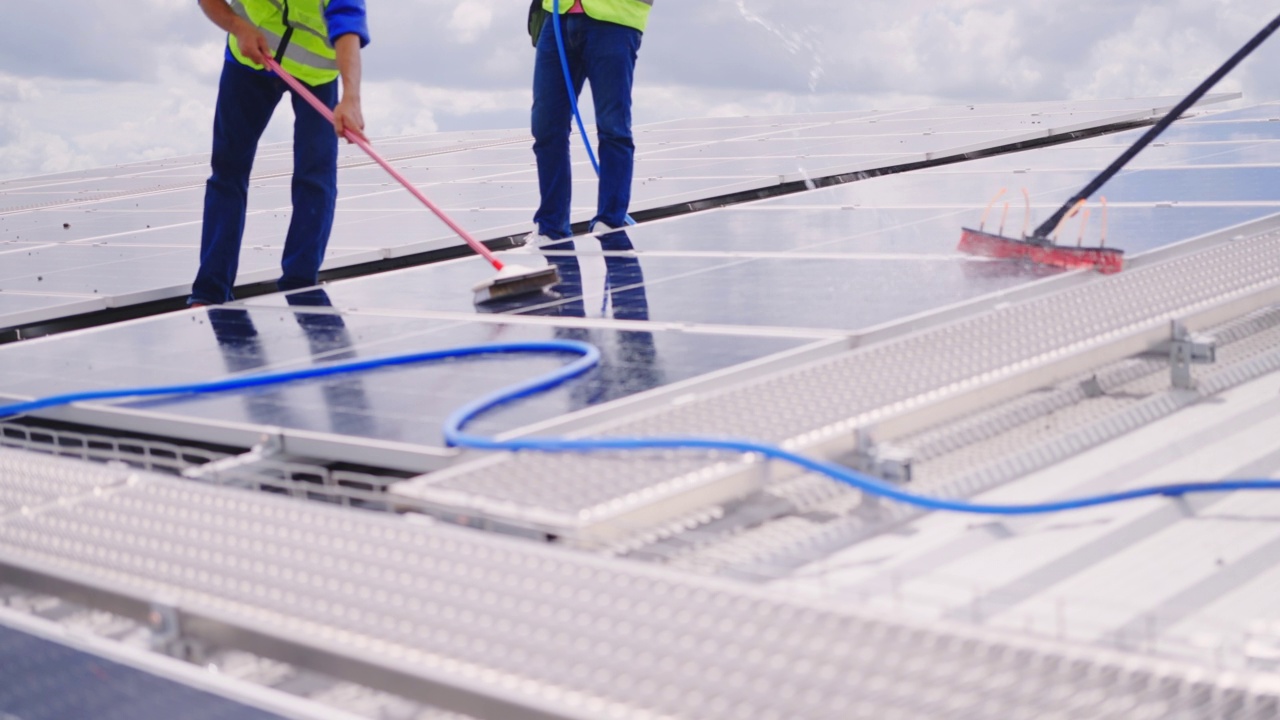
[(97, 84)]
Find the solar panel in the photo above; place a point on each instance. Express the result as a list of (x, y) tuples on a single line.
[(718, 288), (407, 405), (79, 684), (486, 179)]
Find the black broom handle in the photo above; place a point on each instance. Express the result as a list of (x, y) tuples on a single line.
[(1051, 224)]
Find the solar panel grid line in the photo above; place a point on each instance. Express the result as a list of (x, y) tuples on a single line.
[(750, 121), (136, 533), (343, 164), (65, 304)]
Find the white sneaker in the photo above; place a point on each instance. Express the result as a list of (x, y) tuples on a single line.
[(601, 229), (536, 239)]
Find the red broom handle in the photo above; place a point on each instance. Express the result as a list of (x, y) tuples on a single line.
[(321, 108)]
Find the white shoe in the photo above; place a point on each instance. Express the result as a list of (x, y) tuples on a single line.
[(537, 239), (601, 229)]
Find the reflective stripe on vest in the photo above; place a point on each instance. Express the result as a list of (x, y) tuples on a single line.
[(632, 13), (308, 53)]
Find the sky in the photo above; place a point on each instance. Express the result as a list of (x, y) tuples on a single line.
[(88, 84)]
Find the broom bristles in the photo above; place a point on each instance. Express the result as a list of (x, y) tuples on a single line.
[(522, 283)]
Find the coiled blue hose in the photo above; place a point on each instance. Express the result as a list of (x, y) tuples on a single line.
[(588, 357), (573, 96)]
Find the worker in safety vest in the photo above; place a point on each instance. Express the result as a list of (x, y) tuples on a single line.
[(601, 39), (318, 42)]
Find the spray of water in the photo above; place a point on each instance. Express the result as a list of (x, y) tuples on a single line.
[(800, 44), (808, 182), (796, 43)]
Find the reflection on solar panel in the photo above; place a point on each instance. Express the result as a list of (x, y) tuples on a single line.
[(838, 321)]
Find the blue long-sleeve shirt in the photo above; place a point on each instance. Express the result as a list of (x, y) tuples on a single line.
[(346, 17)]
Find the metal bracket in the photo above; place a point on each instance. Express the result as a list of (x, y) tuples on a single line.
[(879, 459), (271, 445), (1186, 349), (166, 629), (1093, 388)]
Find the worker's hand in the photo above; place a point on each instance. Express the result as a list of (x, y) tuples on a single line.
[(348, 118), (251, 41)]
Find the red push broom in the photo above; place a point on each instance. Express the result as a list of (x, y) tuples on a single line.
[(1041, 246)]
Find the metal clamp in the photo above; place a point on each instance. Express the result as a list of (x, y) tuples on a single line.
[(1092, 388), (1186, 349), (879, 459), (165, 624), (271, 446)]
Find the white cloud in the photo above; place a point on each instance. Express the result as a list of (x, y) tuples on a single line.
[(470, 19), (14, 89), (87, 88)]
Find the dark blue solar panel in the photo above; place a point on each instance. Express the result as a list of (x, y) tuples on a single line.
[(41, 680)]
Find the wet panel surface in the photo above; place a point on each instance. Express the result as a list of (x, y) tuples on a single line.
[(1202, 132), (119, 270), (834, 292), (486, 180), (830, 293), (406, 404), (931, 233), (1266, 111)]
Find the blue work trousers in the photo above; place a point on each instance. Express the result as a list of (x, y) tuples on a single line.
[(246, 100), (603, 54)]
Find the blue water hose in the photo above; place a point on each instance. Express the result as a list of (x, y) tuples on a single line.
[(573, 96), (587, 357)]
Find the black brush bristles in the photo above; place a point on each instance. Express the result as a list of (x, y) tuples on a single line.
[(522, 281)]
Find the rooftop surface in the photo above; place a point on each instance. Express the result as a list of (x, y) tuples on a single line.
[(792, 280)]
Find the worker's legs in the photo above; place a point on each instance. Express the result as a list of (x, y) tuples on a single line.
[(609, 57), (246, 99), (551, 118), (315, 190)]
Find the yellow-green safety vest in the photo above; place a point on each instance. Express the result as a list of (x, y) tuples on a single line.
[(308, 54), (632, 13)]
